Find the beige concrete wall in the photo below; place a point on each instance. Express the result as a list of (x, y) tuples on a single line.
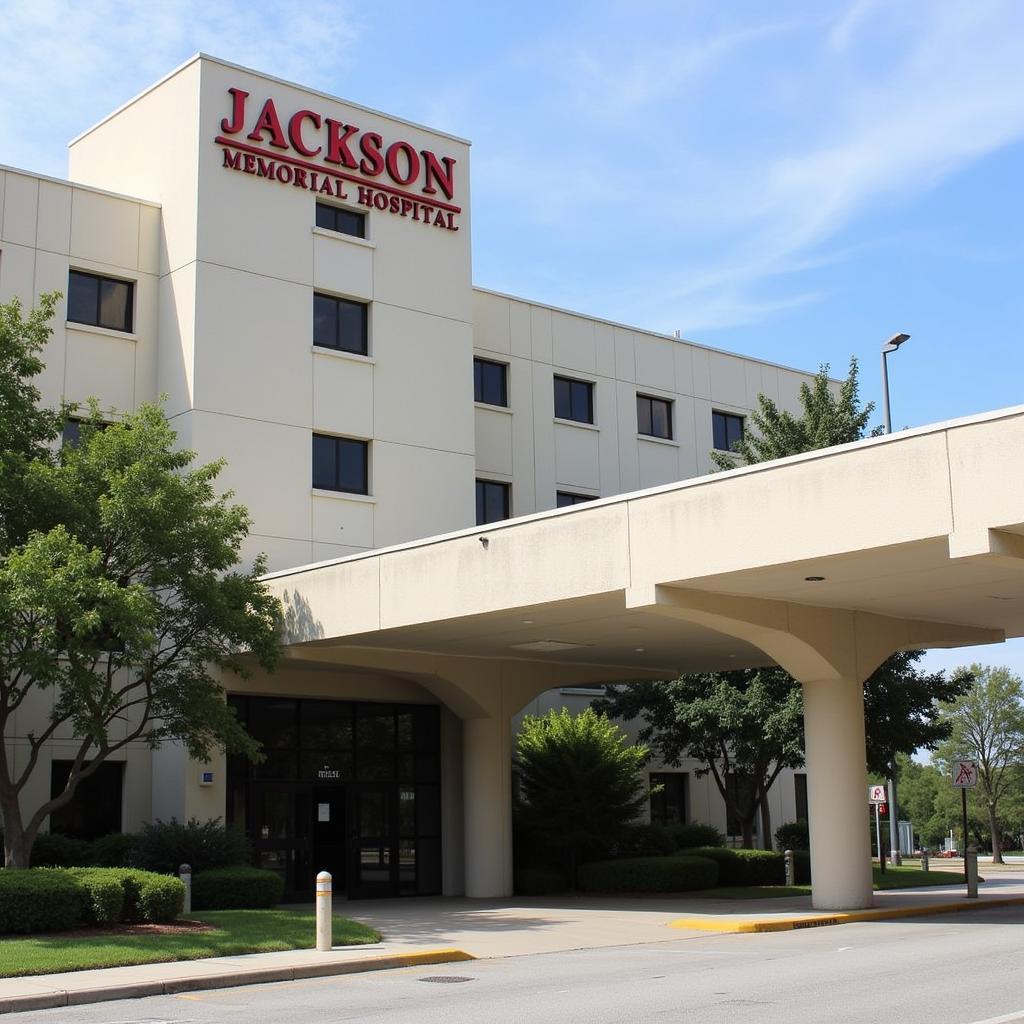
[(48, 228), (527, 446)]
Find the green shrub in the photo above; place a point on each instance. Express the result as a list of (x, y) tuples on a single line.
[(52, 850), (150, 897), (236, 888), (40, 900), (793, 836), (694, 834), (678, 873), (746, 867), (103, 895), (539, 881), (164, 846), (116, 850), (645, 841)]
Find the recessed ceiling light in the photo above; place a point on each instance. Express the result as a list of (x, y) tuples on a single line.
[(639, 650), (527, 622), (815, 579)]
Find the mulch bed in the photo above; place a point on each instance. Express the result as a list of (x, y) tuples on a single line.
[(180, 927)]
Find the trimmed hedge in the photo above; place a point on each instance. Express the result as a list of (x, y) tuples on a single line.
[(793, 836), (236, 888), (165, 845), (103, 893), (116, 850), (746, 867), (57, 899), (40, 900), (694, 834), (677, 873), (540, 881), (52, 850)]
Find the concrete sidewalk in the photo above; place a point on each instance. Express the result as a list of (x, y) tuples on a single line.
[(443, 930)]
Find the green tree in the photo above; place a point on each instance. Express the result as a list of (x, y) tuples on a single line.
[(746, 726), (826, 419), (123, 602), (580, 781), (987, 725)]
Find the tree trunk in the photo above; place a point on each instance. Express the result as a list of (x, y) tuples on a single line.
[(997, 851), (17, 842), (766, 822), (748, 830)]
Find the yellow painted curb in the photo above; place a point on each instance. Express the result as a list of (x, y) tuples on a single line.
[(788, 924), (428, 956)]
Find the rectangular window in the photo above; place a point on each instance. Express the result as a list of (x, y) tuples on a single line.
[(800, 793), (340, 464), (339, 324), (653, 416), (95, 809), (574, 400), (668, 807), (727, 430), (345, 222), (100, 301), (563, 499), (492, 501), (490, 382)]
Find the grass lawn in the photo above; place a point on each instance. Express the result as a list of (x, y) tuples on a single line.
[(894, 878), (233, 932)]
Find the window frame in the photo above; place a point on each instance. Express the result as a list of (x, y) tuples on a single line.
[(726, 418), (650, 432), (335, 211), (575, 383), (506, 489), (128, 326), (338, 301), (339, 442), (479, 389), (577, 499)]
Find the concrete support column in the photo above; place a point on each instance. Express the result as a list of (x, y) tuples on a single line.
[(487, 795), (837, 794)]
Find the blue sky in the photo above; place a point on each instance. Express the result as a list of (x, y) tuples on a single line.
[(795, 181)]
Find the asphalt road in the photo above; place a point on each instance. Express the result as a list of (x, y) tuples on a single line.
[(960, 969)]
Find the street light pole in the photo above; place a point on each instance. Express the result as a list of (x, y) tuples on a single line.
[(894, 818)]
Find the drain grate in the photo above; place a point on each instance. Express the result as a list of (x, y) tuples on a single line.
[(446, 979)]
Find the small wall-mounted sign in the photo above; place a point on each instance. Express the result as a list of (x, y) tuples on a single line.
[(323, 812), (206, 778), (328, 774)]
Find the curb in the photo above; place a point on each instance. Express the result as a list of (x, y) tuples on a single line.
[(229, 979), (788, 924)]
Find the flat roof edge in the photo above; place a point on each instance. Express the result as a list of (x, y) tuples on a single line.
[(7, 168), (646, 330), (200, 56), (677, 485)]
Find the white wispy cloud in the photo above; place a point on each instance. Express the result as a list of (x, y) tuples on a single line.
[(66, 64)]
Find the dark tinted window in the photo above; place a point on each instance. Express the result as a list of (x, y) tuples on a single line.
[(490, 382), (492, 501), (727, 430), (565, 498), (347, 222), (800, 794), (574, 400), (653, 416), (668, 806), (340, 464), (95, 809), (100, 301), (339, 324)]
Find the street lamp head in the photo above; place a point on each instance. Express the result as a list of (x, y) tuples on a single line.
[(894, 342)]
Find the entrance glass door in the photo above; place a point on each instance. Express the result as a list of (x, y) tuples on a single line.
[(374, 864), (281, 833)]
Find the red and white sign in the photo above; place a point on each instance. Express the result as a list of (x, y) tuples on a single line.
[(965, 774), (876, 794), (326, 156)]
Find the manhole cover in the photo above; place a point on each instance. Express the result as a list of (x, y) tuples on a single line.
[(445, 979)]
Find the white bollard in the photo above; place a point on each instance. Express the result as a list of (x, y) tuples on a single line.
[(790, 867), (924, 860), (185, 873), (971, 872), (323, 912)]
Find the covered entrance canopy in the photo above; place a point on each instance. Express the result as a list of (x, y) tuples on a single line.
[(824, 563)]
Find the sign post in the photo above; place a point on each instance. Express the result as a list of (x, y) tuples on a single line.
[(876, 797), (965, 777)]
